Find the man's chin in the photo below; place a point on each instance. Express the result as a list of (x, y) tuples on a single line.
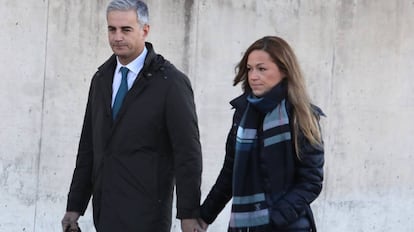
[(120, 51), (120, 54)]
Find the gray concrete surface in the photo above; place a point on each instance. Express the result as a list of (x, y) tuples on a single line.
[(358, 57)]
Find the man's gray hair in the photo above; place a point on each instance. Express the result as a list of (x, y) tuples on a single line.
[(139, 6)]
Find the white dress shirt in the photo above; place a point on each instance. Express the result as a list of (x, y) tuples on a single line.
[(134, 67)]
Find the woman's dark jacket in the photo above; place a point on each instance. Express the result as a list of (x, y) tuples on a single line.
[(131, 164), (290, 198)]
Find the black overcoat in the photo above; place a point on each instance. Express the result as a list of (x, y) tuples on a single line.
[(130, 165)]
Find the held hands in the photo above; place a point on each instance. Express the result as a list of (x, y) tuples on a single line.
[(70, 222), (203, 224), (193, 225)]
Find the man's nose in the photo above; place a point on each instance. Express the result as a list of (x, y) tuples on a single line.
[(118, 36)]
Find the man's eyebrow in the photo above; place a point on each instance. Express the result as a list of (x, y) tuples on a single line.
[(123, 27)]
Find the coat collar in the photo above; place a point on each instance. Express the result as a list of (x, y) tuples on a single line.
[(240, 102), (105, 75)]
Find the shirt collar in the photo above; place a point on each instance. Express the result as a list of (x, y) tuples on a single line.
[(134, 66)]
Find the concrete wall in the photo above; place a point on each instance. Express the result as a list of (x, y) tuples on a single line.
[(358, 57)]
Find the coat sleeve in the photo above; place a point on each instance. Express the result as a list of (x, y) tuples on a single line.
[(221, 192), (81, 186), (182, 126), (307, 184)]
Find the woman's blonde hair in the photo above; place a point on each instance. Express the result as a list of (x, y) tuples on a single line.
[(304, 119)]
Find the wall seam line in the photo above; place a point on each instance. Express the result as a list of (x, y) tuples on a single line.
[(38, 158)]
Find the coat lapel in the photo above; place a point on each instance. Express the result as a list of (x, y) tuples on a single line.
[(107, 74), (136, 89), (141, 82)]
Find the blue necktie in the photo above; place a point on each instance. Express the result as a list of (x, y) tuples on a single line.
[(122, 91)]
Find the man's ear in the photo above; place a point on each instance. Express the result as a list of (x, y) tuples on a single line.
[(146, 29)]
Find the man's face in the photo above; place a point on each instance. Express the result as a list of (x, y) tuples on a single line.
[(126, 36)]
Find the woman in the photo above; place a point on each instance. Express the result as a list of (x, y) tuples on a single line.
[(273, 167)]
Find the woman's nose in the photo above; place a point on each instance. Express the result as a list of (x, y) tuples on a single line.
[(253, 74)]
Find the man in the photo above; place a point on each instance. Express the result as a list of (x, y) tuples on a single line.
[(133, 149)]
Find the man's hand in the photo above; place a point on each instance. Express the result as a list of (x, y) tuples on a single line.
[(203, 224), (70, 222), (191, 225)]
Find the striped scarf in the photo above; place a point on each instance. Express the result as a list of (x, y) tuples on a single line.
[(264, 124)]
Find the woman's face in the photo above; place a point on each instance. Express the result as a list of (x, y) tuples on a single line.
[(262, 73)]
